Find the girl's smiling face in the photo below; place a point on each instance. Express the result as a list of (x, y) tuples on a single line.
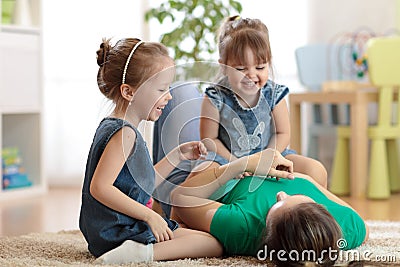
[(247, 78), (151, 98)]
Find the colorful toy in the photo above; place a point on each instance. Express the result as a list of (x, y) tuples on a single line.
[(360, 39), (14, 175), (351, 56)]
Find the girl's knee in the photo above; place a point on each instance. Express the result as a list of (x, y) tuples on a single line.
[(311, 167), (319, 173)]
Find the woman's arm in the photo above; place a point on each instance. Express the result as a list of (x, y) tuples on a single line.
[(190, 202), (209, 125), (281, 138), (205, 183)]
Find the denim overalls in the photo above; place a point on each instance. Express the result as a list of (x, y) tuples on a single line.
[(245, 131), (105, 228)]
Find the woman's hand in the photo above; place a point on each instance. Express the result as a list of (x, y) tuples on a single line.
[(159, 227), (192, 150), (270, 162)]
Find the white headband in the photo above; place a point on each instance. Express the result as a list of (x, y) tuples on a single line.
[(129, 59)]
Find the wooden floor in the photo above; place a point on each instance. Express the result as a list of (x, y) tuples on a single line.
[(59, 210)]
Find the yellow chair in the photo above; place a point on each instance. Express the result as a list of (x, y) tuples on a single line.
[(383, 55)]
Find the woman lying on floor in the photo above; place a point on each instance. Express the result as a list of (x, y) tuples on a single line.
[(250, 215), (284, 220)]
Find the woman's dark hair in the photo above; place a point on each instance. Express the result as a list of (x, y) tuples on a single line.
[(308, 232)]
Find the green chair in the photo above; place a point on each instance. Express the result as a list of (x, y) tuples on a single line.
[(383, 55)]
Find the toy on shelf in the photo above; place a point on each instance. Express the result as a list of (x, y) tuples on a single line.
[(14, 175)]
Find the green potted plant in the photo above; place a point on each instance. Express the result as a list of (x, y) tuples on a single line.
[(197, 24)]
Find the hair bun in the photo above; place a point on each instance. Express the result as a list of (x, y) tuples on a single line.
[(103, 51)]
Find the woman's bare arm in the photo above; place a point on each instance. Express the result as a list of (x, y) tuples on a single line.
[(205, 183)]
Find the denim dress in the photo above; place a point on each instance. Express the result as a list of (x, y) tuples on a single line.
[(245, 131), (103, 227)]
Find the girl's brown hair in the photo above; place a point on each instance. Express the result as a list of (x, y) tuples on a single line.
[(147, 60), (309, 230), (236, 34)]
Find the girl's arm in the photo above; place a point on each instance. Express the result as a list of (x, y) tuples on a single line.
[(107, 170), (209, 125), (165, 166), (103, 190), (185, 151), (281, 138)]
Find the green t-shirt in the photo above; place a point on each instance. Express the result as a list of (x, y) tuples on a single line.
[(239, 223)]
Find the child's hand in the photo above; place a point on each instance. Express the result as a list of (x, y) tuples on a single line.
[(284, 169), (281, 167), (244, 174), (270, 162), (192, 150), (159, 227)]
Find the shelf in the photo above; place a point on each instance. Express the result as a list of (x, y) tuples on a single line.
[(20, 16), (21, 104), (23, 192), (20, 29), (20, 71), (5, 110), (23, 131)]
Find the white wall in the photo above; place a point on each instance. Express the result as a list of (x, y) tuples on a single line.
[(329, 18), (73, 30)]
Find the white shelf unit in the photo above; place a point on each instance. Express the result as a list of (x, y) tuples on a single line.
[(21, 101)]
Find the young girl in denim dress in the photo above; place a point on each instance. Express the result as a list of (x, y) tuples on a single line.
[(120, 177), (245, 111)]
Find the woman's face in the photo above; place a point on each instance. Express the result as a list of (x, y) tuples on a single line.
[(285, 202)]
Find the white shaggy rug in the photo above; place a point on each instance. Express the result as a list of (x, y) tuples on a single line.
[(68, 248)]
